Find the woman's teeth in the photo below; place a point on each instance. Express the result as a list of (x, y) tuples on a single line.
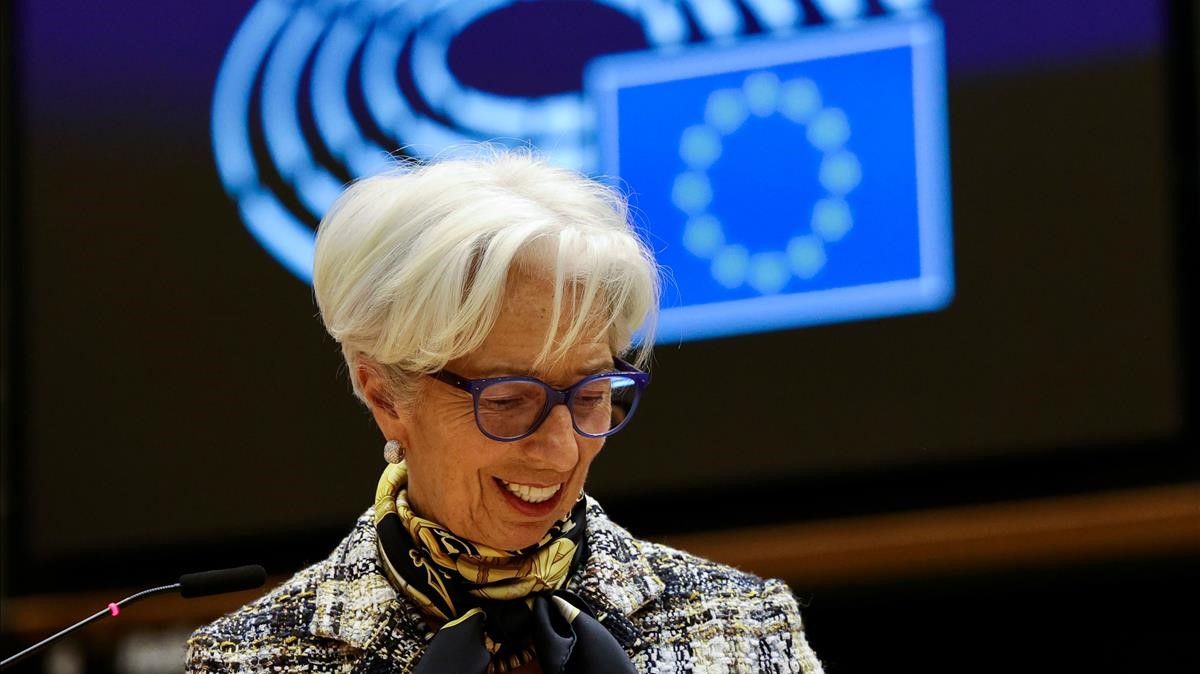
[(531, 494)]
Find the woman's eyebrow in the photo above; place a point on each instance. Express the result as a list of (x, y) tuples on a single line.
[(502, 370), (598, 365), (507, 369)]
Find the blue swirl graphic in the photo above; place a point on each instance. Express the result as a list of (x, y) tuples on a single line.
[(310, 96)]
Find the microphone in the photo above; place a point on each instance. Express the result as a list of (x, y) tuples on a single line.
[(190, 585), (221, 581)]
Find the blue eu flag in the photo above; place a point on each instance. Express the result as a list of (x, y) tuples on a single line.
[(787, 182)]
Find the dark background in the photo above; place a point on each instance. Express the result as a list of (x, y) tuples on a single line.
[(172, 402)]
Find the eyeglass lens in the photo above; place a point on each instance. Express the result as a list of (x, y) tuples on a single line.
[(510, 409)]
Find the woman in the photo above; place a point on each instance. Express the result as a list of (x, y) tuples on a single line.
[(483, 308)]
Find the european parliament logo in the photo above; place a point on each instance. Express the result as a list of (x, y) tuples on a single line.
[(788, 174)]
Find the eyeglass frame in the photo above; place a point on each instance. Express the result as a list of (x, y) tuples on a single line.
[(554, 396)]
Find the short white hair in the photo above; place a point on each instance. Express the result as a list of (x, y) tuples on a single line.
[(411, 265)]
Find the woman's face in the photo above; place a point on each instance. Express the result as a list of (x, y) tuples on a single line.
[(487, 491)]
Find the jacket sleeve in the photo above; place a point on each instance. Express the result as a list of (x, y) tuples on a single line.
[(211, 654), (256, 638), (203, 658), (787, 641)]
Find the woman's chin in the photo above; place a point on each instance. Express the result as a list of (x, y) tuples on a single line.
[(518, 537), (503, 533), (521, 524)]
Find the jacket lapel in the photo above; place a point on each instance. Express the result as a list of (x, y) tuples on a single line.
[(356, 604), (617, 579)]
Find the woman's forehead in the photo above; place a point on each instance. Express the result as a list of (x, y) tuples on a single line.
[(483, 365), (522, 329), (517, 353)]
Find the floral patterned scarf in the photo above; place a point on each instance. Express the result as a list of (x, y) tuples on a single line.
[(499, 608)]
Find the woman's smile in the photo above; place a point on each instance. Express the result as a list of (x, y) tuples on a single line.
[(531, 501), (532, 493)]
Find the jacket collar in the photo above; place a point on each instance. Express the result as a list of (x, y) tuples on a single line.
[(357, 604)]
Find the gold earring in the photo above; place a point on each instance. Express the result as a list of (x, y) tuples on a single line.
[(393, 452)]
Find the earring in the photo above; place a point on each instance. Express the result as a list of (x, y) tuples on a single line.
[(393, 452)]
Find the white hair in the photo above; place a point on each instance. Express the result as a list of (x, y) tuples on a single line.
[(411, 265)]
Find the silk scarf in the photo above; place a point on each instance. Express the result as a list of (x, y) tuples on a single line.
[(498, 609)]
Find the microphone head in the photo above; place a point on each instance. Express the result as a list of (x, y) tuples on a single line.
[(219, 581)]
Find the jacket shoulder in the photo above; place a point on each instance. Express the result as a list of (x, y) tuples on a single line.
[(269, 634), (724, 616), (714, 590)]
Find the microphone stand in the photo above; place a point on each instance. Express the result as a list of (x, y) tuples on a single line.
[(190, 585), (112, 610)]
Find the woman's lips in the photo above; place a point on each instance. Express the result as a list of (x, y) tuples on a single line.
[(528, 507)]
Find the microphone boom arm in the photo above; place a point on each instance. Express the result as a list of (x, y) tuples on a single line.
[(111, 610)]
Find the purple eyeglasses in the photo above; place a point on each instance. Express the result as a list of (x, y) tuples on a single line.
[(512, 408)]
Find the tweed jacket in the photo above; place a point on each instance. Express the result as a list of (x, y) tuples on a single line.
[(671, 611)]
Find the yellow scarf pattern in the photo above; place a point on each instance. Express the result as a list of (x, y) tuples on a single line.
[(450, 566)]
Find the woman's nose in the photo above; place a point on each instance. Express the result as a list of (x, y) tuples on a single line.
[(555, 444)]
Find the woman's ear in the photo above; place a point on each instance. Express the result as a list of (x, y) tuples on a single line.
[(384, 408), (374, 388)]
